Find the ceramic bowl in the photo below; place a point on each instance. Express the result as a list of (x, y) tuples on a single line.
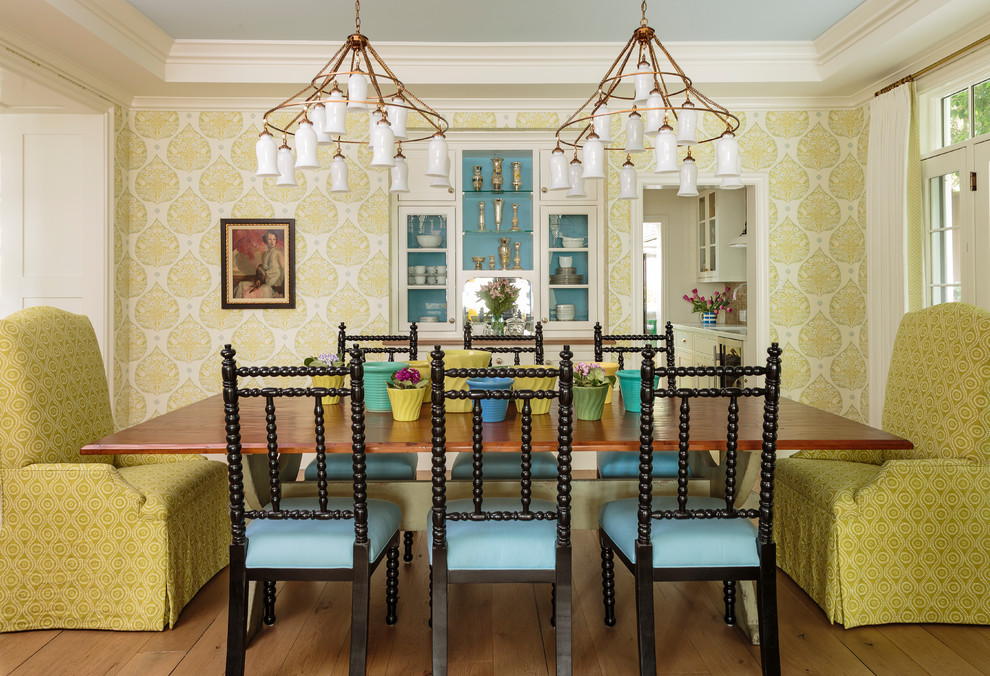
[(565, 261), (572, 242), (429, 240)]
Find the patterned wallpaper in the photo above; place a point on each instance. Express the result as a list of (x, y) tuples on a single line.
[(178, 173)]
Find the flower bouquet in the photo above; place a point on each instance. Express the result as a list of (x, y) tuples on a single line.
[(710, 307), (499, 296), (405, 390), (329, 359)]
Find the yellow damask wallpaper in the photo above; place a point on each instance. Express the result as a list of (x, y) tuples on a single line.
[(178, 173)]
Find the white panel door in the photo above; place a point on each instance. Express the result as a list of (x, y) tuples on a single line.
[(54, 216), (981, 224)]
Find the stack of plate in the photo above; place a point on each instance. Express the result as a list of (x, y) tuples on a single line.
[(567, 276)]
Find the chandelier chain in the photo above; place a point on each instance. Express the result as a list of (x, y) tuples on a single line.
[(357, 15)]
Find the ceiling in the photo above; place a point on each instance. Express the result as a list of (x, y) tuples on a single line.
[(472, 54), (494, 20)]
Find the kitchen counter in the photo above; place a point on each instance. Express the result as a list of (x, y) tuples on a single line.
[(725, 330)]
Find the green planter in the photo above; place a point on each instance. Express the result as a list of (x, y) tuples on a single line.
[(589, 402)]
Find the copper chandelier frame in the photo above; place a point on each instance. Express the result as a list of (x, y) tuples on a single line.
[(669, 80), (360, 52)]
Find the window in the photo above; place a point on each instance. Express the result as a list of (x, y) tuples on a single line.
[(956, 200), (966, 113)]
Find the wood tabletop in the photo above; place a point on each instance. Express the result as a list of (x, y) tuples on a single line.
[(199, 428)]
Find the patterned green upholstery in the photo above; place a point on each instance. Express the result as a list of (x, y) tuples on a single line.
[(93, 542), (877, 537)]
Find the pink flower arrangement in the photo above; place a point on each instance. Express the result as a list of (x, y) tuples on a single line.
[(720, 301), (406, 378), (498, 296), (589, 374)]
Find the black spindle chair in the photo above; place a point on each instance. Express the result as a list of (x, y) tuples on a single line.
[(625, 464), (381, 466), (698, 538), (318, 538), (493, 540), (503, 466)]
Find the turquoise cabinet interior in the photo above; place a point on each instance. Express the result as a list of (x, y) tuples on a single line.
[(568, 267), (427, 239)]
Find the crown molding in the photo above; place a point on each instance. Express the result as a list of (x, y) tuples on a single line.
[(485, 63)]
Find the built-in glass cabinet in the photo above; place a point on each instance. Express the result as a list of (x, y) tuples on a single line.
[(500, 225)]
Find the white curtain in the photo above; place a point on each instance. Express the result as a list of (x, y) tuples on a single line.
[(888, 194)]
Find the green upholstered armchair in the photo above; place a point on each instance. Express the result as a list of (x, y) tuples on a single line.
[(95, 542), (879, 537)]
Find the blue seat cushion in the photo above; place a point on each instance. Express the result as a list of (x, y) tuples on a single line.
[(499, 545), (309, 543), (683, 543), (381, 467), (625, 464), (505, 466)]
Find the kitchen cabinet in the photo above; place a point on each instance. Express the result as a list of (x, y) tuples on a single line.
[(721, 218), (696, 346)]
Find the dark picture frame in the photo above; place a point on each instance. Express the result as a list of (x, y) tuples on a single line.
[(253, 272)]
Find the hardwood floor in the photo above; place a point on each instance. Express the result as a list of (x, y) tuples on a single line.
[(500, 630)]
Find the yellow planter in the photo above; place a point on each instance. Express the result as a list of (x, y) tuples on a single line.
[(610, 368), (406, 404), (462, 359), (537, 406), (329, 381), (423, 366)]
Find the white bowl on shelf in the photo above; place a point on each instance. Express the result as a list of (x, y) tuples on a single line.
[(572, 242), (565, 261), (428, 241)]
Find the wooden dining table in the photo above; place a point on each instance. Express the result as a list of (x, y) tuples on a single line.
[(198, 428)]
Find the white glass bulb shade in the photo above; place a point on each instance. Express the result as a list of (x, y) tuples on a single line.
[(373, 118), (338, 174), (627, 182), (577, 182), (397, 116), (727, 153), (634, 133), (318, 114), (654, 113), (558, 171), (642, 83), (665, 151), (336, 113), (440, 181), (286, 167), (306, 146), (734, 182), (357, 91), (603, 123), (689, 178), (267, 151), (594, 158), (382, 144), (436, 156), (400, 175), (687, 126)]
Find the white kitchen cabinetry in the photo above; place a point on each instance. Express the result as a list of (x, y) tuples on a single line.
[(721, 218)]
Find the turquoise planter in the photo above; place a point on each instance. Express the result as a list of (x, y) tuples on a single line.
[(492, 410), (376, 374), (629, 383)]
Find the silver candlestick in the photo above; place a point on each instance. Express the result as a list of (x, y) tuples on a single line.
[(498, 214)]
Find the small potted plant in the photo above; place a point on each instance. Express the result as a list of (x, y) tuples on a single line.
[(710, 307), (327, 359), (590, 390), (405, 390)]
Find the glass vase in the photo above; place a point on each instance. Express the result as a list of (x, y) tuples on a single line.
[(497, 326)]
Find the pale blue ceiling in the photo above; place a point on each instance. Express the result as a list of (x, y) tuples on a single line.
[(495, 20)]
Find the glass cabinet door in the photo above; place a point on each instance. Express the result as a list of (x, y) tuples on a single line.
[(571, 267), (426, 273)]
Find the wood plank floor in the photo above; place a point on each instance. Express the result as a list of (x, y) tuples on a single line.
[(500, 630)]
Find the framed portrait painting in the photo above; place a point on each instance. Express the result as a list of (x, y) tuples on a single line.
[(257, 263)]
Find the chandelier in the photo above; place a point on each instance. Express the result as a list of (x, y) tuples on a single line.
[(645, 86), (317, 115)]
